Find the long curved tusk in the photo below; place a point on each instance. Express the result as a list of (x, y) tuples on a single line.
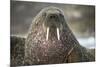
[(58, 36), (47, 35)]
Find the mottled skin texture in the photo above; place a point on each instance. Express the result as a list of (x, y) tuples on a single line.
[(37, 50), (17, 50)]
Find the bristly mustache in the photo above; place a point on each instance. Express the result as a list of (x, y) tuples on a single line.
[(47, 33)]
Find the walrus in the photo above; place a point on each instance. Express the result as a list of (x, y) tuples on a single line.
[(49, 41)]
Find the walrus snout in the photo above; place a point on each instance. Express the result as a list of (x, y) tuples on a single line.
[(53, 16), (53, 22), (48, 32)]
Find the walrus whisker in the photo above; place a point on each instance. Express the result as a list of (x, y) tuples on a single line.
[(47, 34), (58, 36)]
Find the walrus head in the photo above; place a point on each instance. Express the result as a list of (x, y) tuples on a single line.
[(52, 21)]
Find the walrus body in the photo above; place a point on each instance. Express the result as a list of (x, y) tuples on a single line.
[(17, 50), (50, 41)]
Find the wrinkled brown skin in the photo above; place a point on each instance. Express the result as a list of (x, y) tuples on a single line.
[(38, 50), (17, 45)]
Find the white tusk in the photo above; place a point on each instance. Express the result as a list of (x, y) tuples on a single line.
[(47, 35), (58, 34)]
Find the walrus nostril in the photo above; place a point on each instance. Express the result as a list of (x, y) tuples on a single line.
[(52, 16)]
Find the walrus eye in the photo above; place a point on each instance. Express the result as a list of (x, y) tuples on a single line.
[(61, 15)]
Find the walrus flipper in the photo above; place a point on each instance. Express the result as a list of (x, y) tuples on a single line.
[(17, 50), (81, 54)]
